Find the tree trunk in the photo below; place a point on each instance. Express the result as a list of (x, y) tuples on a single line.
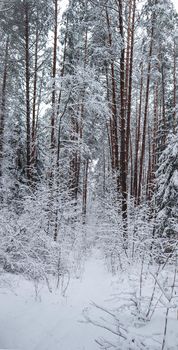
[(85, 189), (175, 87), (113, 119), (129, 99), (123, 171), (3, 103), (53, 116), (34, 125), (135, 185), (27, 76), (163, 110), (145, 115)]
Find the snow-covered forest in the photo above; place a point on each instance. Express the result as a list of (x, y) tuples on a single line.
[(88, 175)]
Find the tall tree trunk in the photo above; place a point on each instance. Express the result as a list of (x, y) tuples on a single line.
[(129, 99), (53, 193), (148, 175), (113, 119), (123, 171), (3, 103), (138, 132), (53, 116), (59, 102), (109, 124), (127, 59), (145, 113), (175, 83), (163, 110), (154, 141), (77, 132), (34, 124), (85, 189), (27, 76), (63, 68)]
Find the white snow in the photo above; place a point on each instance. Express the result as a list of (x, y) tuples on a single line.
[(49, 321), (52, 323)]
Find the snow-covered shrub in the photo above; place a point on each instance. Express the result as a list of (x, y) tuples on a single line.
[(138, 314)]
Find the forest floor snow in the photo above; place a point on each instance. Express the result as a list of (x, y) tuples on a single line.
[(52, 322), (49, 321)]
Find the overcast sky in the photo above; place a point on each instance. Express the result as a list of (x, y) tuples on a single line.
[(175, 2)]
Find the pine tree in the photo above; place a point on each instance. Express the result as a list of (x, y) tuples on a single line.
[(166, 197)]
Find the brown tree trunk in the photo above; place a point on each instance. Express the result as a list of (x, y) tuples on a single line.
[(113, 119), (145, 114), (129, 99)]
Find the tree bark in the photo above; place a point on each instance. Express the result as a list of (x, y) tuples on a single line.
[(85, 189), (27, 76), (175, 87), (113, 119), (129, 100), (138, 132), (53, 116), (123, 171), (145, 114), (34, 124), (3, 103)]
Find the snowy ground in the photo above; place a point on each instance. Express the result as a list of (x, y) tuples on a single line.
[(53, 322)]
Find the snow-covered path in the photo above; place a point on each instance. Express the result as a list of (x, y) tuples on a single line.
[(53, 323)]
